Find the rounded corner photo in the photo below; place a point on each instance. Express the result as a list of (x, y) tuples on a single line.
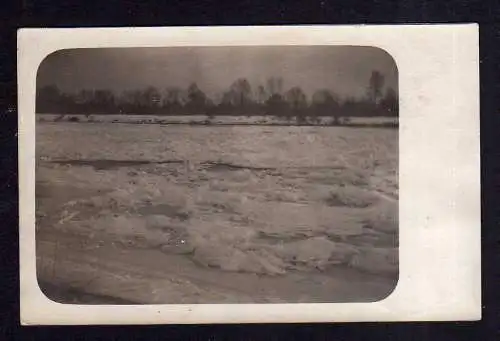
[(204, 175), (388, 56), (51, 59)]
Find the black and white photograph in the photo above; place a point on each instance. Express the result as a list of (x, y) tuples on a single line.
[(188, 175), (217, 175)]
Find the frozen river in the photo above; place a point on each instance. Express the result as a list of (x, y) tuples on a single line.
[(220, 214)]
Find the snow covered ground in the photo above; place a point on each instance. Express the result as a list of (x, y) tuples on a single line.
[(296, 204)]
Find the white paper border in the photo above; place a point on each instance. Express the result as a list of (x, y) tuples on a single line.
[(439, 173)]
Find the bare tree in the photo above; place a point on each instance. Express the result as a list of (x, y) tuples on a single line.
[(172, 100), (377, 81), (326, 103), (262, 95), (276, 106), (196, 99), (104, 98), (151, 97), (48, 98), (85, 96), (172, 95), (390, 103), (274, 86), (229, 98), (243, 91), (297, 101)]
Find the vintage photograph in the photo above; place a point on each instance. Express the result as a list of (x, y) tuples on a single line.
[(238, 174)]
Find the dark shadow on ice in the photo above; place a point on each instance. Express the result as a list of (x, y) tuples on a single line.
[(112, 164), (101, 164)]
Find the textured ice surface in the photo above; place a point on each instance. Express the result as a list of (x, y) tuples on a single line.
[(265, 200)]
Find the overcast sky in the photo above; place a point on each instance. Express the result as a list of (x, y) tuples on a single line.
[(345, 70)]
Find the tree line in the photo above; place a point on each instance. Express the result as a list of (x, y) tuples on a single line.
[(240, 99)]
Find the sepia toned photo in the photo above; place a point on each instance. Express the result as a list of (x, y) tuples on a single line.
[(217, 175), (249, 174)]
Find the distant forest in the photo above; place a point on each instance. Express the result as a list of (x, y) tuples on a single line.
[(239, 100)]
